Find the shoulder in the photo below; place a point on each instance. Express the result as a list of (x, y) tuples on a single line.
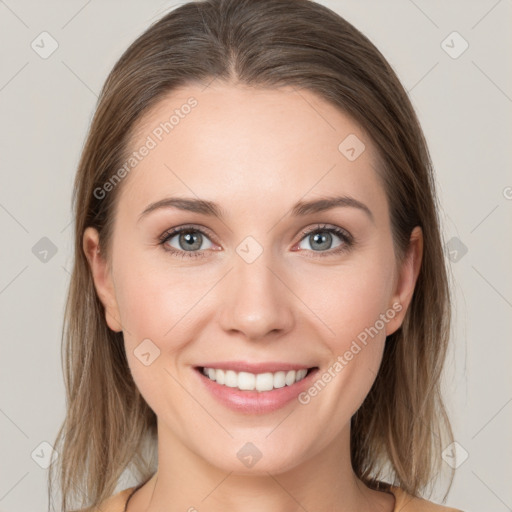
[(403, 502), (408, 503), (115, 503)]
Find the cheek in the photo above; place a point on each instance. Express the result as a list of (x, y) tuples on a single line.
[(156, 310), (351, 300), (354, 304), (357, 309), (162, 309), (153, 298)]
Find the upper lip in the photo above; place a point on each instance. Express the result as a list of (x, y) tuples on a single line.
[(245, 366)]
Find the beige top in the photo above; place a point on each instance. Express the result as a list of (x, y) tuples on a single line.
[(403, 502)]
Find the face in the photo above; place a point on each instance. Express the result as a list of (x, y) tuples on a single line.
[(287, 264)]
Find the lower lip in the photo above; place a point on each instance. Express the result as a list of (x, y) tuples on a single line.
[(255, 402)]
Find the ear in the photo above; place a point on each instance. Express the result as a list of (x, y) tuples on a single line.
[(406, 281), (102, 277)]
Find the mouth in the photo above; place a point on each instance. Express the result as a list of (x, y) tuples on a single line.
[(259, 391), (251, 381)]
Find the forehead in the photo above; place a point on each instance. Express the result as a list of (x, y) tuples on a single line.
[(232, 142)]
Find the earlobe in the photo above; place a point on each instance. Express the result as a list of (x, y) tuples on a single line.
[(407, 278), (102, 278)]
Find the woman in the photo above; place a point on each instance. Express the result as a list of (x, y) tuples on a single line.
[(259, 312)]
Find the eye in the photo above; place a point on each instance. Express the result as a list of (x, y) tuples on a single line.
[(320, 240), (186, 242), (192, 242)]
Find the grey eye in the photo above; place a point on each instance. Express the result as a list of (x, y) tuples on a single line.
[(189, 240), (320, 240)]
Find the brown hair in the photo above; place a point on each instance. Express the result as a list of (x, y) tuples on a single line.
[(402, 427)]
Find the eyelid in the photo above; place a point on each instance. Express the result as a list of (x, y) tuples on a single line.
[(186, 227), (327, 227)]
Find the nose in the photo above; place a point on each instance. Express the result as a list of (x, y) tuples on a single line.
[(256, 301)]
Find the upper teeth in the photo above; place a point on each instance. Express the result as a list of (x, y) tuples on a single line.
[(250, 381)]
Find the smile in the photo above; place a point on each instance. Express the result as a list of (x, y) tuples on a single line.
[(246, 381), (267, 388)]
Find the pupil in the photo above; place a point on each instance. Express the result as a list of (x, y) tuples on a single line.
[(324, 240), (192, 241)]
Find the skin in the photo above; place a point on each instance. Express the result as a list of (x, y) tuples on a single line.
[(255, 153)]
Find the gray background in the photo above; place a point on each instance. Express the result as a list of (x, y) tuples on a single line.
[(464, 105)]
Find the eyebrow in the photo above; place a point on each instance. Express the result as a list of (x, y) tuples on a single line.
[(300, 209)]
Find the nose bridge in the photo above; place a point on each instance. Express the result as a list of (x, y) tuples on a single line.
[(257, 302)]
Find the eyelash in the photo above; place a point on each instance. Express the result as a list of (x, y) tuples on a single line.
[(346, 238)]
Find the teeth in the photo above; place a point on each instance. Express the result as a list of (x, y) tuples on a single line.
[(246, 381)]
